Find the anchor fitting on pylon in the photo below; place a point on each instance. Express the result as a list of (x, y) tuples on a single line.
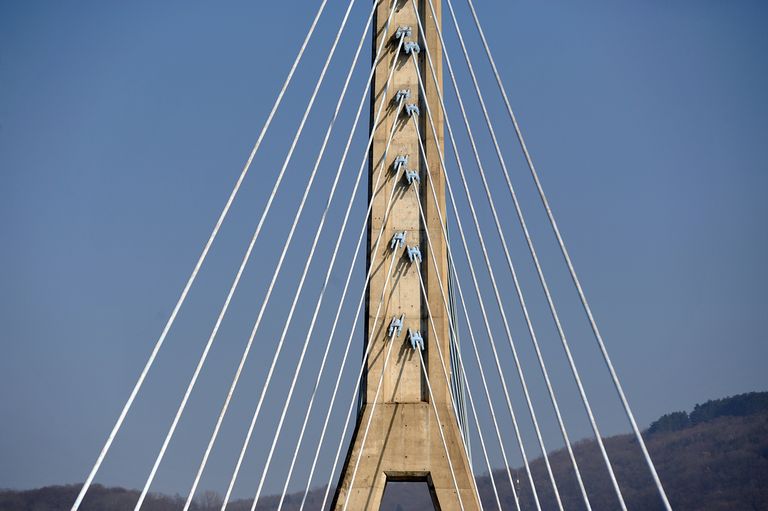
[(403, 32), (411, 176), (417, 341), (398, 240), (411, 47), (412, 109), (401, 162), (396, 326), (414, 254)]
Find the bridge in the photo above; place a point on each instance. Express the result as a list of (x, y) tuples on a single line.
[(430, 297)]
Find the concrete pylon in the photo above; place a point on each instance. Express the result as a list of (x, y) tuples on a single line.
[(403, 442)]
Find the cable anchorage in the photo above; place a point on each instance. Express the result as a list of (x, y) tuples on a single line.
[(403, 32), (412, 110), (401, 162), (396, 326), (402, 95), (417, 341), (414, 254), (411, 47), (398, 240)]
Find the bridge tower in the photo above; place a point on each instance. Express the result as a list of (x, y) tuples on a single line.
[(403, 441)]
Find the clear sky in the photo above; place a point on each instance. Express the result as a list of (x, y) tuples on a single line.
[(123, 126)]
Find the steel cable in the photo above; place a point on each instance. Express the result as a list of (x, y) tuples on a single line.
[(305, 345), (395, 252), (569, 263), (333, 257), (362, 293), (488, 267), (196, 269), (461, 364), (513, 273), (249, 345), (282, 256), (240, 271), (466, 317), (442, 435)]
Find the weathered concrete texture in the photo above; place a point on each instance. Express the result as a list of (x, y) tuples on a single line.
[(404, 439)]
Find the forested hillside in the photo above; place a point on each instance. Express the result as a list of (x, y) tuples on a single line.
[(714, 458)]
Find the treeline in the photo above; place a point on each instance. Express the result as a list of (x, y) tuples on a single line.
[(714, 458), (736, 406)]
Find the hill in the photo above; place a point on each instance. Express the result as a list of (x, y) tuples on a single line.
[(714, 458)]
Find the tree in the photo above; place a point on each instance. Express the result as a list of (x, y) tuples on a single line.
[(209, 500)]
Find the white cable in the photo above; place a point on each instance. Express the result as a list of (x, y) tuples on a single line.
[(474, 344), (395, 253), (282, 258), (247, 349), (569, 263), (513, 273), (382, 169), (212, 337), (335, 252), (341, 370), (442, 435), (349, 272), (466, 316), (518, 365), (477, 288), (447, 379), (195, 271), (362, 293), (529, 241), (359, 306), (233, 288), (299, 365)]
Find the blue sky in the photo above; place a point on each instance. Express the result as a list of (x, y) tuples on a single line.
[(124, 125)]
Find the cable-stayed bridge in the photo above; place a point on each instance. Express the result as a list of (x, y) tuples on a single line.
[(430, 304)]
